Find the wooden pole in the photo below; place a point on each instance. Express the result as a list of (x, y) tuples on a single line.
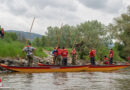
[(58, 37), (68, 39), (31, 28)]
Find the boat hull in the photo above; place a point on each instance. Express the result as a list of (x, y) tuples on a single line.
[(46, 69), (43, 69)]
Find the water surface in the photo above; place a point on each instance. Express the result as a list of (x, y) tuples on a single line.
[(117, 80)]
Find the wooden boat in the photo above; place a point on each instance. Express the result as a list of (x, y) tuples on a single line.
[(42, 69), (46, 69)]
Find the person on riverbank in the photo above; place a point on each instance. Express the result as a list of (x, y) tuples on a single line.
[(92, 56), (58, 57), (74, 56), (106, 60), (29, 52), (2, 33), (111, 54), (1, 84), (64, 56)]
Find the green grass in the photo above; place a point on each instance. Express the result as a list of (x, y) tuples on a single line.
[(48, 48), (13, 49)]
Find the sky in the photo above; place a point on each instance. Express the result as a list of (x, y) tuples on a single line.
[(18, 14)]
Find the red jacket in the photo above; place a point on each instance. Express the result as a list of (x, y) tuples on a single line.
[(128, 58), (2, 31), (64, 53), (92, 53), (73, 52), (59, 51), (56, 52), (111, 53), (105, 59)]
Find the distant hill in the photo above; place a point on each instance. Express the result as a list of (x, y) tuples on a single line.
[(26, 35)]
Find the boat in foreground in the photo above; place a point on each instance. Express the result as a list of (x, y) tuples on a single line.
[(88, 68), (46, 68)]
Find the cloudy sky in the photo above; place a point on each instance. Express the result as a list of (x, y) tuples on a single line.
[(18, 14)]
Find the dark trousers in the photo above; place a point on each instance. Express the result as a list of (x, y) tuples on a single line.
[(30, 60), (74, 59), (54, 60), (58, 60), (64, 61), (110, 60), (92, 60)]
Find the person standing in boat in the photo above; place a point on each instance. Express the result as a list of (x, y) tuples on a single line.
[(64, 56), (74, 56), (92, 56), (58, 57), (29, 52), (55, 54), (111, 54)]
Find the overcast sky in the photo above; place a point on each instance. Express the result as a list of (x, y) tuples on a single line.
[(18, 14)]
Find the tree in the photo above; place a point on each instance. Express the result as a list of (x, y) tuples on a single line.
[(121, 32)]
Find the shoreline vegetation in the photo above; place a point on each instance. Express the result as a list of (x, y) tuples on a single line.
[(11, 47)]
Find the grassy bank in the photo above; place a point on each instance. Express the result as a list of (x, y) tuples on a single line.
[(13, 49)]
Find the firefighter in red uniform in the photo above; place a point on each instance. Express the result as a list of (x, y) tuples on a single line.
[(58, 58), (92, 56), (111, 54), (106, 60), (74, 55), (64, 56)]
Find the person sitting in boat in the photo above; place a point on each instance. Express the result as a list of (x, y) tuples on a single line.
[(92, 56), (111, 54), (58, 56), (29, 52), (74, 56), (128, 60), (64, 56), (106, 60)]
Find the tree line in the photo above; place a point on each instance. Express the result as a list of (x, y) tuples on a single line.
[(91, 34)]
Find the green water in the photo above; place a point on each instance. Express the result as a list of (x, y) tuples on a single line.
[(117, 80)]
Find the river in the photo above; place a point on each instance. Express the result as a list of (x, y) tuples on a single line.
[(116, 80)]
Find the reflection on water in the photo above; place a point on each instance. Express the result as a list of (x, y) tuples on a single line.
[(118, 80), (59, 78)]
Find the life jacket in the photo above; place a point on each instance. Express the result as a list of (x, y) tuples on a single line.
[(92, 53), (64, 53), (111, 53), (2, 31), (128, 58), (56, 52), (105, 59), (59, 51), (28, 46), (73, 52)]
